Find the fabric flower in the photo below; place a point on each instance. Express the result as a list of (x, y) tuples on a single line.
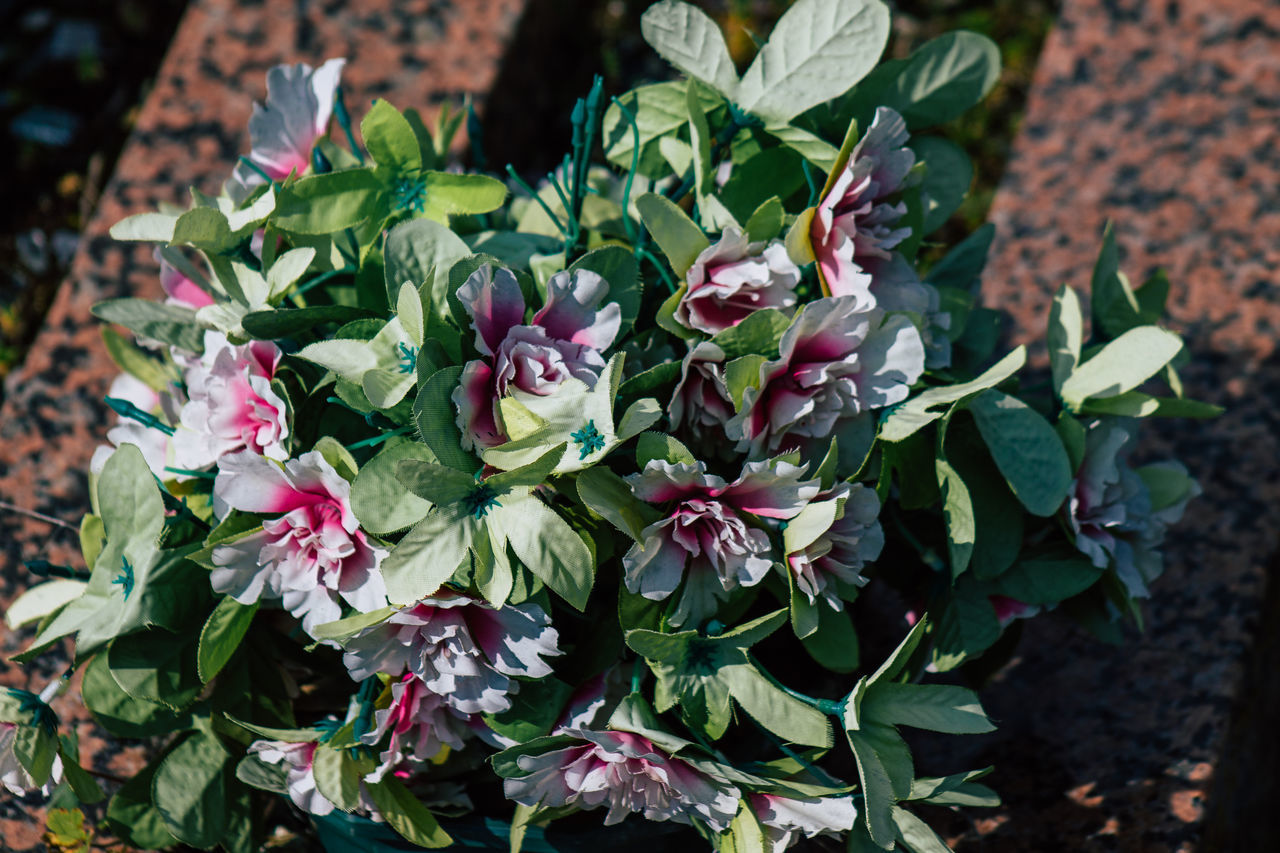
[(461, 648), (312, 556), (853, 223), (703, 538), (1008, 610), (155, 444), (232, 406), (700, 404), (627, 773), (836, 361), (419, 722), (565, 339), (733, 278), (180, 290), (13, 776), (786, 819), (299, 103), (897, 287), (300, 778), (1111, 506), (854, 539)]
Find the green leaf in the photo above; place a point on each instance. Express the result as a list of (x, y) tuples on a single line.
[(1049, 578), (204, 228), (42, 600), (660, 111), (778, 712), (422, 252), (813, 148), (548, 547), (434, 483), (834, 644), (957, 508), (758, 334), (766, 221), (534, 710), (877, 773), (1135, 404), (132, 360), (680, 239), (1114, 305), (338, 774), (344, 629), (434, 413), (1026, 450), (817, 50), (967, 627), (286, 735), (948, 174), (189, 790), (1121, 365), (683, 35), (256, 773), (221, 636), (406, 814), (145, 227), (134, 818), (895, 663), (429, 554), (936, 707), (379, 500), (741, 374), (156, 665), (659, 445), (962, 266), (121, 714), (329, 203), (916, 834), (390, 139), (448, 194), (288, 322), (921, 410), (172, 324), (944, 78), (610, 497), (1066, 334)]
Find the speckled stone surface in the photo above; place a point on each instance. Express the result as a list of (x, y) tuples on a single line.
[(1163, 116), (191, 129)]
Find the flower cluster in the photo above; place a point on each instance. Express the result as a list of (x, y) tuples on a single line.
[(431, 489)]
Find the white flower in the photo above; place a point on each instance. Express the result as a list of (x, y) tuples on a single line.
[(854, 539), (732, 279), (461, 648), (627, 773), (312, 556), (420, 724), (786, 819), (300, 779)]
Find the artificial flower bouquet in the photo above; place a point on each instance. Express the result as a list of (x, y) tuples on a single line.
[(659, 495)]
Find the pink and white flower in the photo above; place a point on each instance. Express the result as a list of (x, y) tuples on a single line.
[(854, 539), (838, 360), (787, 819), (733, 278), (180, 290), (155, 444), (1111, 506), (853, 223), (703, 538), (700, 404), (1008, 610), (420, 724), (461, 648), (232, 406), (312, 555), (299, 104), (566, 338), (300, 778), (626, 773)]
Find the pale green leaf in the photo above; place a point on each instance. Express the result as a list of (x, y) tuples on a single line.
[(922, 409), (1066, 334), (686, 37), (1122, 365), (680, 239)]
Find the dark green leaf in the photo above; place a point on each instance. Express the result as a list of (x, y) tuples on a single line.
[(406, 814), (189, 790), (1026, 450), (288, 322), (172, 324), (221, 636)]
